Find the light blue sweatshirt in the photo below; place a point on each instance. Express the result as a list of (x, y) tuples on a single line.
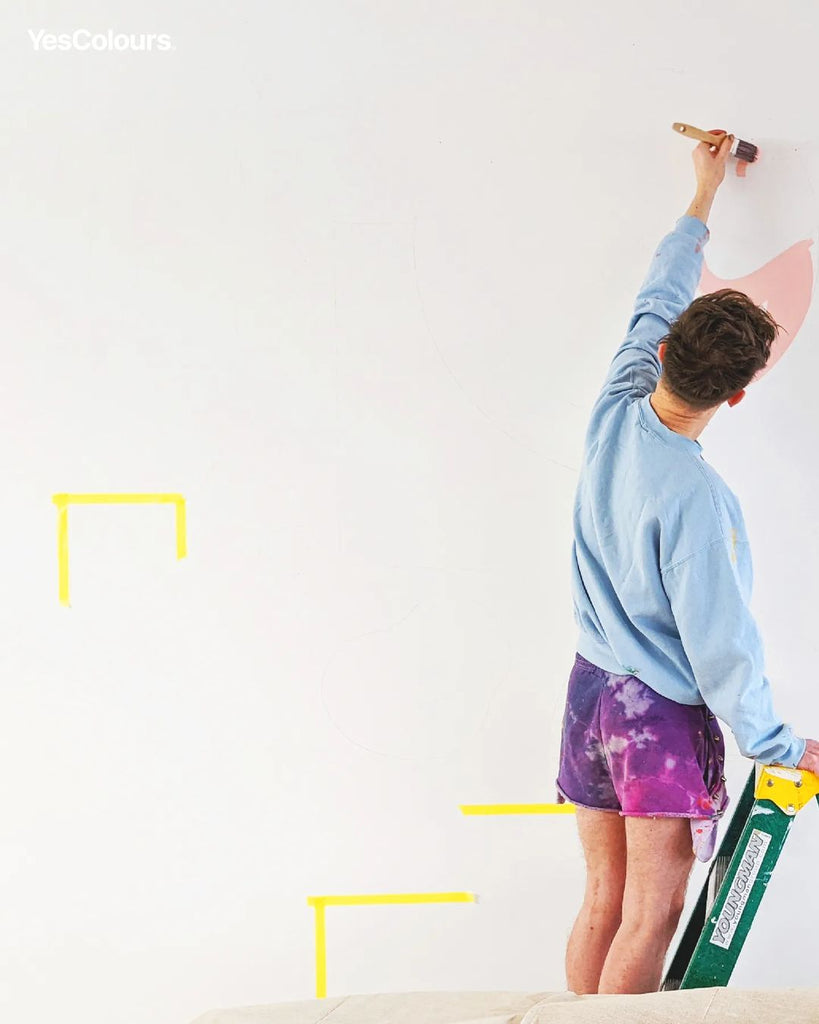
[(661, 566)]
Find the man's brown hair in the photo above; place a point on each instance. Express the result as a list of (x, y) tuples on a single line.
[(716, 347)]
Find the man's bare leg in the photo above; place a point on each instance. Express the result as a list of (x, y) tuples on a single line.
[(603, 836), (659, 861)]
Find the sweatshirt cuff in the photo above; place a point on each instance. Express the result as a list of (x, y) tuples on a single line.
[(797, 752), (693, 226)]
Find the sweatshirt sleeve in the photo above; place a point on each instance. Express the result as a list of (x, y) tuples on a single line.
[(722, 643), (667, 290)]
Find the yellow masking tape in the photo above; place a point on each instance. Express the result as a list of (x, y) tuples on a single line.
[(62, 501), (140, 498), (181, 529), (62, 551), (518, 808), (397, 897), (321, 952), (320, 902)]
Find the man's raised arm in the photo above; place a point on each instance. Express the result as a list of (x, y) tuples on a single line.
[(670, 283)]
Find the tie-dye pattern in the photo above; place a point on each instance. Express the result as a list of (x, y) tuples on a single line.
[(626, 748)]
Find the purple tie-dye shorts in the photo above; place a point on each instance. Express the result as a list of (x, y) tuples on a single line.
[(626, 748)]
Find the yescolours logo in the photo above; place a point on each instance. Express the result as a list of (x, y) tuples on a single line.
[(82, 39)]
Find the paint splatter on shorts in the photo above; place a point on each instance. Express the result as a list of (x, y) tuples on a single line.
[(626, 748)]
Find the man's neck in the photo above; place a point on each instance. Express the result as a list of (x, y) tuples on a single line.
[(677, 416)]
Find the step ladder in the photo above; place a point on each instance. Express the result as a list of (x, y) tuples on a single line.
[(738, 876)]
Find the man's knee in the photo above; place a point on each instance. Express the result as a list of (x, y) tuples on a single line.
[(651, 925), (676, 908), (605, 907), (603, 897), (659, 916), (678, 902)]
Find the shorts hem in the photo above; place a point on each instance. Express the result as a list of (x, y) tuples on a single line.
[(671, 814), (637, 814)]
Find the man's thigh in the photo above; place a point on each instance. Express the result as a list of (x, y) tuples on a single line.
[(603, 837), (659, 861)]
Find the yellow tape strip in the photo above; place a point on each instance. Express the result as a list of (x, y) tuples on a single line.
[(141, 498), (518, 808), (62, 501), (321, 952), (320, 902), (62, 551)]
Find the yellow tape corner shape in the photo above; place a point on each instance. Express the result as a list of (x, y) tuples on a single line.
[(320, 903), (517, 808), (63, 500)]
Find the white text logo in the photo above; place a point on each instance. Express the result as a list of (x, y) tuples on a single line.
[(82, 39)]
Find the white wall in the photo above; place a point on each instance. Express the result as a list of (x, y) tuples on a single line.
[(348, 275)]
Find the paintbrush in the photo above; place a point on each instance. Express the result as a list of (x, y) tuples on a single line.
[(746, 151)]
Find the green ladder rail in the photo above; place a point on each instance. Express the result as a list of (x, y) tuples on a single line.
[(738, 877)]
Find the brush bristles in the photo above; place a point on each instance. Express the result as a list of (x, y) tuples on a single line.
[(746, 151)]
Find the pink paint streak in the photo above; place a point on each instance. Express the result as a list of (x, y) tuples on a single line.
[(784, 285), (742, 165)]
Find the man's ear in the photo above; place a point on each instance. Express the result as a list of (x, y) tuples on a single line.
[(661, 351), (736, 399)]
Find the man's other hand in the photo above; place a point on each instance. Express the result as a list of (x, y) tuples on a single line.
[(810, 759)]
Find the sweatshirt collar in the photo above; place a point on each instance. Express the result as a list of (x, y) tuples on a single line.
[(652, 422)]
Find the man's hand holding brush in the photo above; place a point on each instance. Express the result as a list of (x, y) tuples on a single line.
[(709, 164)]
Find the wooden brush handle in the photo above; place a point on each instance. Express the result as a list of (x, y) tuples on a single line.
[(697, 133)]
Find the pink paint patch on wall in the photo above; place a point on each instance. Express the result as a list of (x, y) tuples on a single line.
[(784, 286)]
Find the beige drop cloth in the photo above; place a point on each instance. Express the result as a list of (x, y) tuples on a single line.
[(694, 1006)]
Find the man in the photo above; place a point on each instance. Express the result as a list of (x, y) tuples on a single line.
[(661, 579)]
